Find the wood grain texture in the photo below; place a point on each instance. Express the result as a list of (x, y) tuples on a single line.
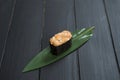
[(6, 12), (59, 15), (23, 41), (97, 59), (35, 21), (113, 13)]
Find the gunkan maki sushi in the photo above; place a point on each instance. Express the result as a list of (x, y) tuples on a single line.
[(60, 42)]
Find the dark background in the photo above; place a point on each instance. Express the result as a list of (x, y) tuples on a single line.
[(27, 25)]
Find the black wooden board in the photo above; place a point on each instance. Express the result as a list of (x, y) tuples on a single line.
[(97, 57), (6, 12), (113, 13), (23, 40), (59, 15), (27, 25)]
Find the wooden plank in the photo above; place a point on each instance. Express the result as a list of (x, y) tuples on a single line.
[(97, 59), (59, 15), (113, 13), (24, 40), (6, 11)]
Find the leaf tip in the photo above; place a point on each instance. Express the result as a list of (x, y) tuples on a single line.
[(93, 27), (24, 70)]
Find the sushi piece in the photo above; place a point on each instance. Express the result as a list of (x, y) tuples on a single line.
[(60, 42)]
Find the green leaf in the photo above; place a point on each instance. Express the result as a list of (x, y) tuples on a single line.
[(45, 57)]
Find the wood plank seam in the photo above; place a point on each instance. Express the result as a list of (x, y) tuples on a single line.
[(43, 25), (78, 63), (111, 35), (9, 27)]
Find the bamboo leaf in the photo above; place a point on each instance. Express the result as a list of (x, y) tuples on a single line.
[(45, 57)]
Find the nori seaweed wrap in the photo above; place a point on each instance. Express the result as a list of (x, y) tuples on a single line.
[(60, 42)]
